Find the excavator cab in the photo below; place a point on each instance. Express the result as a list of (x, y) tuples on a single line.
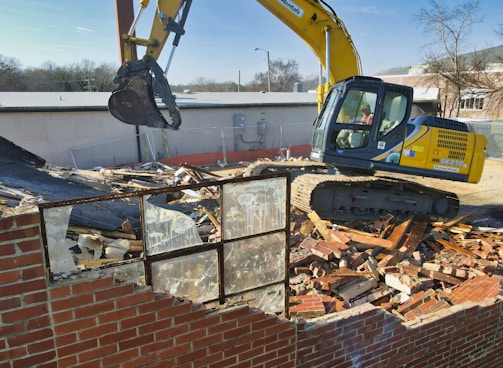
[(390, 139), (361, 117)]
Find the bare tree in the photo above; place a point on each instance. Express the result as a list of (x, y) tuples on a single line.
[(448, 28), (283, 76), (10, 74)]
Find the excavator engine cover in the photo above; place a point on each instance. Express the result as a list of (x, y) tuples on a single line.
[(133, 102)]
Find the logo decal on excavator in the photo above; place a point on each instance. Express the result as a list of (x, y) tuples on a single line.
[(294, 8)]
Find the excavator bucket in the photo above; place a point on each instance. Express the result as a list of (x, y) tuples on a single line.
[(133, 102)]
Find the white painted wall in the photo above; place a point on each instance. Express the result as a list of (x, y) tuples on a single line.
[(71, 136)]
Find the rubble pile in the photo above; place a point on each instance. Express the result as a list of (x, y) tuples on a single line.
[(410, 268)]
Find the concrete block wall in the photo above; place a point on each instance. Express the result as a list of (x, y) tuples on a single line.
[(105, 323)]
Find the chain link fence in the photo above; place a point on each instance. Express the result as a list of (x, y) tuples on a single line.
[(493, 130), (153, 145)]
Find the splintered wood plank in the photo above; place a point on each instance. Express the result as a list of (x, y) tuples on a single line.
[(398, 233), (415, 235), (369, 241), (409, 245), (456, 248), (320, 226)]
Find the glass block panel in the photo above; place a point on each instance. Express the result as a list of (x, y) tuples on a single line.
[(194, 277), (254, 207), (167, 230), (251, 263), (270, 299)]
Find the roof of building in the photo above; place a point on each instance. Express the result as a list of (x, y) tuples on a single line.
[(36, 101)]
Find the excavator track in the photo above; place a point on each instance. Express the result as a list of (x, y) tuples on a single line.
[(347, 196), (365, 197)]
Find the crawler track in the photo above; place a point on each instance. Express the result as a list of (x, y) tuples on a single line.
[(348, 196), (343, 196)]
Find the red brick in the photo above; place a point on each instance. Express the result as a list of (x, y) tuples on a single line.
[(7, 329), (142, 361), (256, 334), (25, 313), (159, 303), (29, 337), (72, 302), (221, 327), (255, 315), (224, 363), (138, 320), (77, 348), (208, 359), (21, 234), (39, 322), (116, 315), (34, 298), (116, 337), (121, 356), (97, 331), (13, 353), (40, 346), (92, 354), (114, 292), (93, 309), (60, 292), (189, 317), (61, 317), (134, 299), (67, 339), (232, 334), (207, 341), (30, 245), (25, 287), (191, 336), (7, 250), (6, 223), (205, 322), (136, 342), (171, 332), (33, 273), (190, 356), (154, 326), (75, 325), (9, 277), (235, 314), (92, 286), (180, 308), (35, 360), (28, 219), (174, 351)]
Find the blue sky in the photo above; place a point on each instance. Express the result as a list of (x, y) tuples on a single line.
[(221, 35)]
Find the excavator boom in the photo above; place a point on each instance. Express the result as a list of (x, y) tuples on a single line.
[(140, 81)]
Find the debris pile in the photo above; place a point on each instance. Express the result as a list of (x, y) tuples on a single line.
[(410, 268)]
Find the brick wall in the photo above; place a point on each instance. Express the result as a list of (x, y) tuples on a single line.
[(103, 323), (27, 337)]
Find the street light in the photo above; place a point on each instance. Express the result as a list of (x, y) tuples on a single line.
[(268, 68)]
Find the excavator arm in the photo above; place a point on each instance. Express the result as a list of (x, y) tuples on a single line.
[(133, 102), (140, 81), (315, 22)]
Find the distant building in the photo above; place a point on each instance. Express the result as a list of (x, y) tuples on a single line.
[(475, 103)]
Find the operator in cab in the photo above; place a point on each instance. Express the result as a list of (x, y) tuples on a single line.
[(368, 116)]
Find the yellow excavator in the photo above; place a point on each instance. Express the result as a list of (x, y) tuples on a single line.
[(364, 124)]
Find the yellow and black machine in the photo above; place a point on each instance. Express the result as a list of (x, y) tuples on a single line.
[(364, 123)]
